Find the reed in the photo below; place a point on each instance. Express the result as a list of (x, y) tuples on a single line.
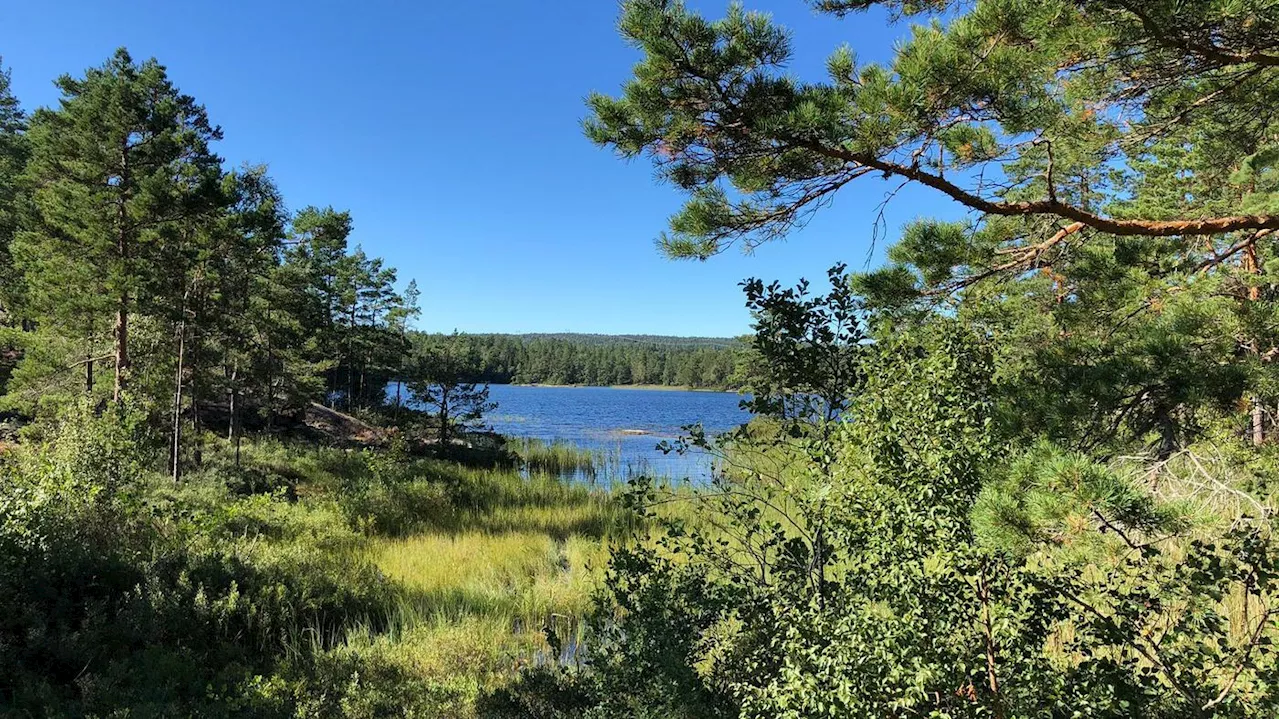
[(563, 458)]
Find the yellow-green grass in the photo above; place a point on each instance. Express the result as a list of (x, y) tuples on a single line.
[(519, 560), (521, 580)]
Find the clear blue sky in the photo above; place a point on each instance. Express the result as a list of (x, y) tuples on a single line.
[(451, 132)]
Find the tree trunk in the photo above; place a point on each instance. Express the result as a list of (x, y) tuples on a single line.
[(231, 405), (993, 681), (444, 418), (176, 456), (233, 416), (88, 361), (351, 360), (198, 453), (121, 330), (121, 333), (270, 386), (1255, 416), (1251, 267), (1256, 420)]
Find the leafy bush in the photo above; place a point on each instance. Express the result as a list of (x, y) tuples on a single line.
[(902, 563)]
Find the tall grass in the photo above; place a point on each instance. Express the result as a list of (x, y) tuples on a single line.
[(489, 569), (527, 583), (565, 459), (492, 568)]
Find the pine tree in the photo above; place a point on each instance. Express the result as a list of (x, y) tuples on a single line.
[(121, 163), (319, 238), (1052, 96), (1119, 160), (442, 377), (13, 158)]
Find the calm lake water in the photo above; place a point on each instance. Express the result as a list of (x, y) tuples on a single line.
[(597, 417)]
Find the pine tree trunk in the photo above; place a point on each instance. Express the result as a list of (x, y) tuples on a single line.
[(351, 361), (198, 454), (231, 405), (88, 361), (177, 405), (233, 424), (121, 330), (1259, 435), (400, 374), (270, 387), (121, 334), (444, 418), (1256, 420)]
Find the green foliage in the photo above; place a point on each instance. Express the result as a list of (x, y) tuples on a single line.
[(125, 244), (441, 378), (302, 582), (1052, 498), (1119, 159), (803, 364), (904, 560), (13, 157), (115, 170), (1107, 93), (350, 306), (119, 594)]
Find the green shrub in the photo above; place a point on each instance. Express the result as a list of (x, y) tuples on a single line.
[(120, 592)]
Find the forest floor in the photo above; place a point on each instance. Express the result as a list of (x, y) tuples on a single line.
[(343, 427)]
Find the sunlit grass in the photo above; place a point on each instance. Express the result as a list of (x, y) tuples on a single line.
[(519, 578), (491, 568)]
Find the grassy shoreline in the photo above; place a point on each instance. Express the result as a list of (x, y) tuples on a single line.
[(307, 581)]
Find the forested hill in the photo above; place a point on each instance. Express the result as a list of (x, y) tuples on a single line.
[(598, 339), (593, 359)]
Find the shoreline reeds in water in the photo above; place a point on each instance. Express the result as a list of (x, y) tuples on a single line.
[(565, 459)]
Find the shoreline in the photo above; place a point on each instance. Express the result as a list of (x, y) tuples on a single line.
[(673, 388)]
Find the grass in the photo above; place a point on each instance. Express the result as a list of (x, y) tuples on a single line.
[(486, 565), (522, 584)]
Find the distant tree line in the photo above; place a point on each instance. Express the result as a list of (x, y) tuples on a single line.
[(602, 359)]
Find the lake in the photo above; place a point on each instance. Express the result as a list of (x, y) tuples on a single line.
[(598, 418)]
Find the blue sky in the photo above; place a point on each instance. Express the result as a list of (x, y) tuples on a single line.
[(451, 132)]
